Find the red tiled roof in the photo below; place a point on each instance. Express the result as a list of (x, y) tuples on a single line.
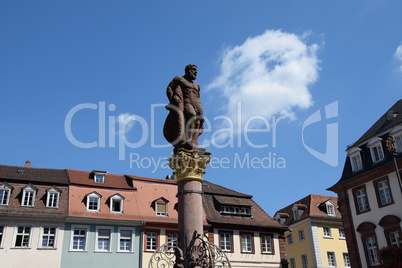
[(86, 178), (28, 174), (312, 208)]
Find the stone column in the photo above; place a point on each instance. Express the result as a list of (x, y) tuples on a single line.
[(189, 166)]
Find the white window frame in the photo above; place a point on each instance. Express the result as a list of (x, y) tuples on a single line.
[(80, 227), (341, 233), (42, 234), (158, 213), (301, 235), (398, 142), (52, 194), (290, 239), (31, 192), (331, 259), (99, 178), (330, 208), (376, 150), (24, 233), (93, 195), (172, 239), (327, 232), (356, 160), (266, 244), (362, 200), (3, 228), (116, 197), (371, 247), (292, 263), (384, 192), (152, 244), (98, 237), (304, 261), (346, 259), (225, 209), (246, 243), (5, 197), (225, 241), (394, 239), (120, 238)]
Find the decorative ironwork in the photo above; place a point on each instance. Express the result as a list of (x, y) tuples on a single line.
[(205, 254)]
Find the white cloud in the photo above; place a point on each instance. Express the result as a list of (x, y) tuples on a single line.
[(398, 56), (269, 74), (126, 123)]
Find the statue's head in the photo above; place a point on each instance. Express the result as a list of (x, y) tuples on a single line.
[(191, 71)]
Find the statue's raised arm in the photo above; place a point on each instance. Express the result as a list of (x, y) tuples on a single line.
[(184, 122)]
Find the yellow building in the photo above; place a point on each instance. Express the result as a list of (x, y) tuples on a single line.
[(316, 237)]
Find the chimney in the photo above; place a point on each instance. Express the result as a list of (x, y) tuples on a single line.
[(27, 164)]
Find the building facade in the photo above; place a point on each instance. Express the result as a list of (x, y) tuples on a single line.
[(33, 209), (369, 190), (248, 236), (316, 237)]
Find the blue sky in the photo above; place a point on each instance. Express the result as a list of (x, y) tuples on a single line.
[(83, 86)]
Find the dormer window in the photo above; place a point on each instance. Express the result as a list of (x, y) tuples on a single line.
[(99, 176), (225, 209), (160, 206), (298, 210), (116, 203), (93, 202), (52, 198), (236, 210), (330, 208), (28, 196), (5, 192), (377, 153), (355, 159), (396, 133), (246, 210)]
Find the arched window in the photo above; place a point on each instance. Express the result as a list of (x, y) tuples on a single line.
[(369, 240), (392, 229)]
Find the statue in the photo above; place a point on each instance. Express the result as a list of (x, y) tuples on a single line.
[(184, 122)]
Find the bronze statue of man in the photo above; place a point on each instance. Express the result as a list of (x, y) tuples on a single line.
[(184, 122)]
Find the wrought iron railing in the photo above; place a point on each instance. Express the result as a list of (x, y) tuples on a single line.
[(205, 254)]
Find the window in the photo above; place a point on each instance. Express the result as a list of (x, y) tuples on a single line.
[(125, 240), (301, 235), (292, 263), (341, 233), (28, 196), (172, 240), (361, 200), (377, 153), (48, 237), (331, 259), (330, 208), (346, 260), (79, 238), (226, 241), (103, 237), (52, 199), (1, 236), (295, 214), (327, 232), (99, 178), (5, 192), (304, 261), (225, 209), (266, 244), (23, 237), (116, 203), (371, 248), (356, 161), (383, 192), (290, 239), (398, 143), (246, 210), (394, 239), (93, 201), (151, 240), (236, 210), (247, 242), (161, 209)]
